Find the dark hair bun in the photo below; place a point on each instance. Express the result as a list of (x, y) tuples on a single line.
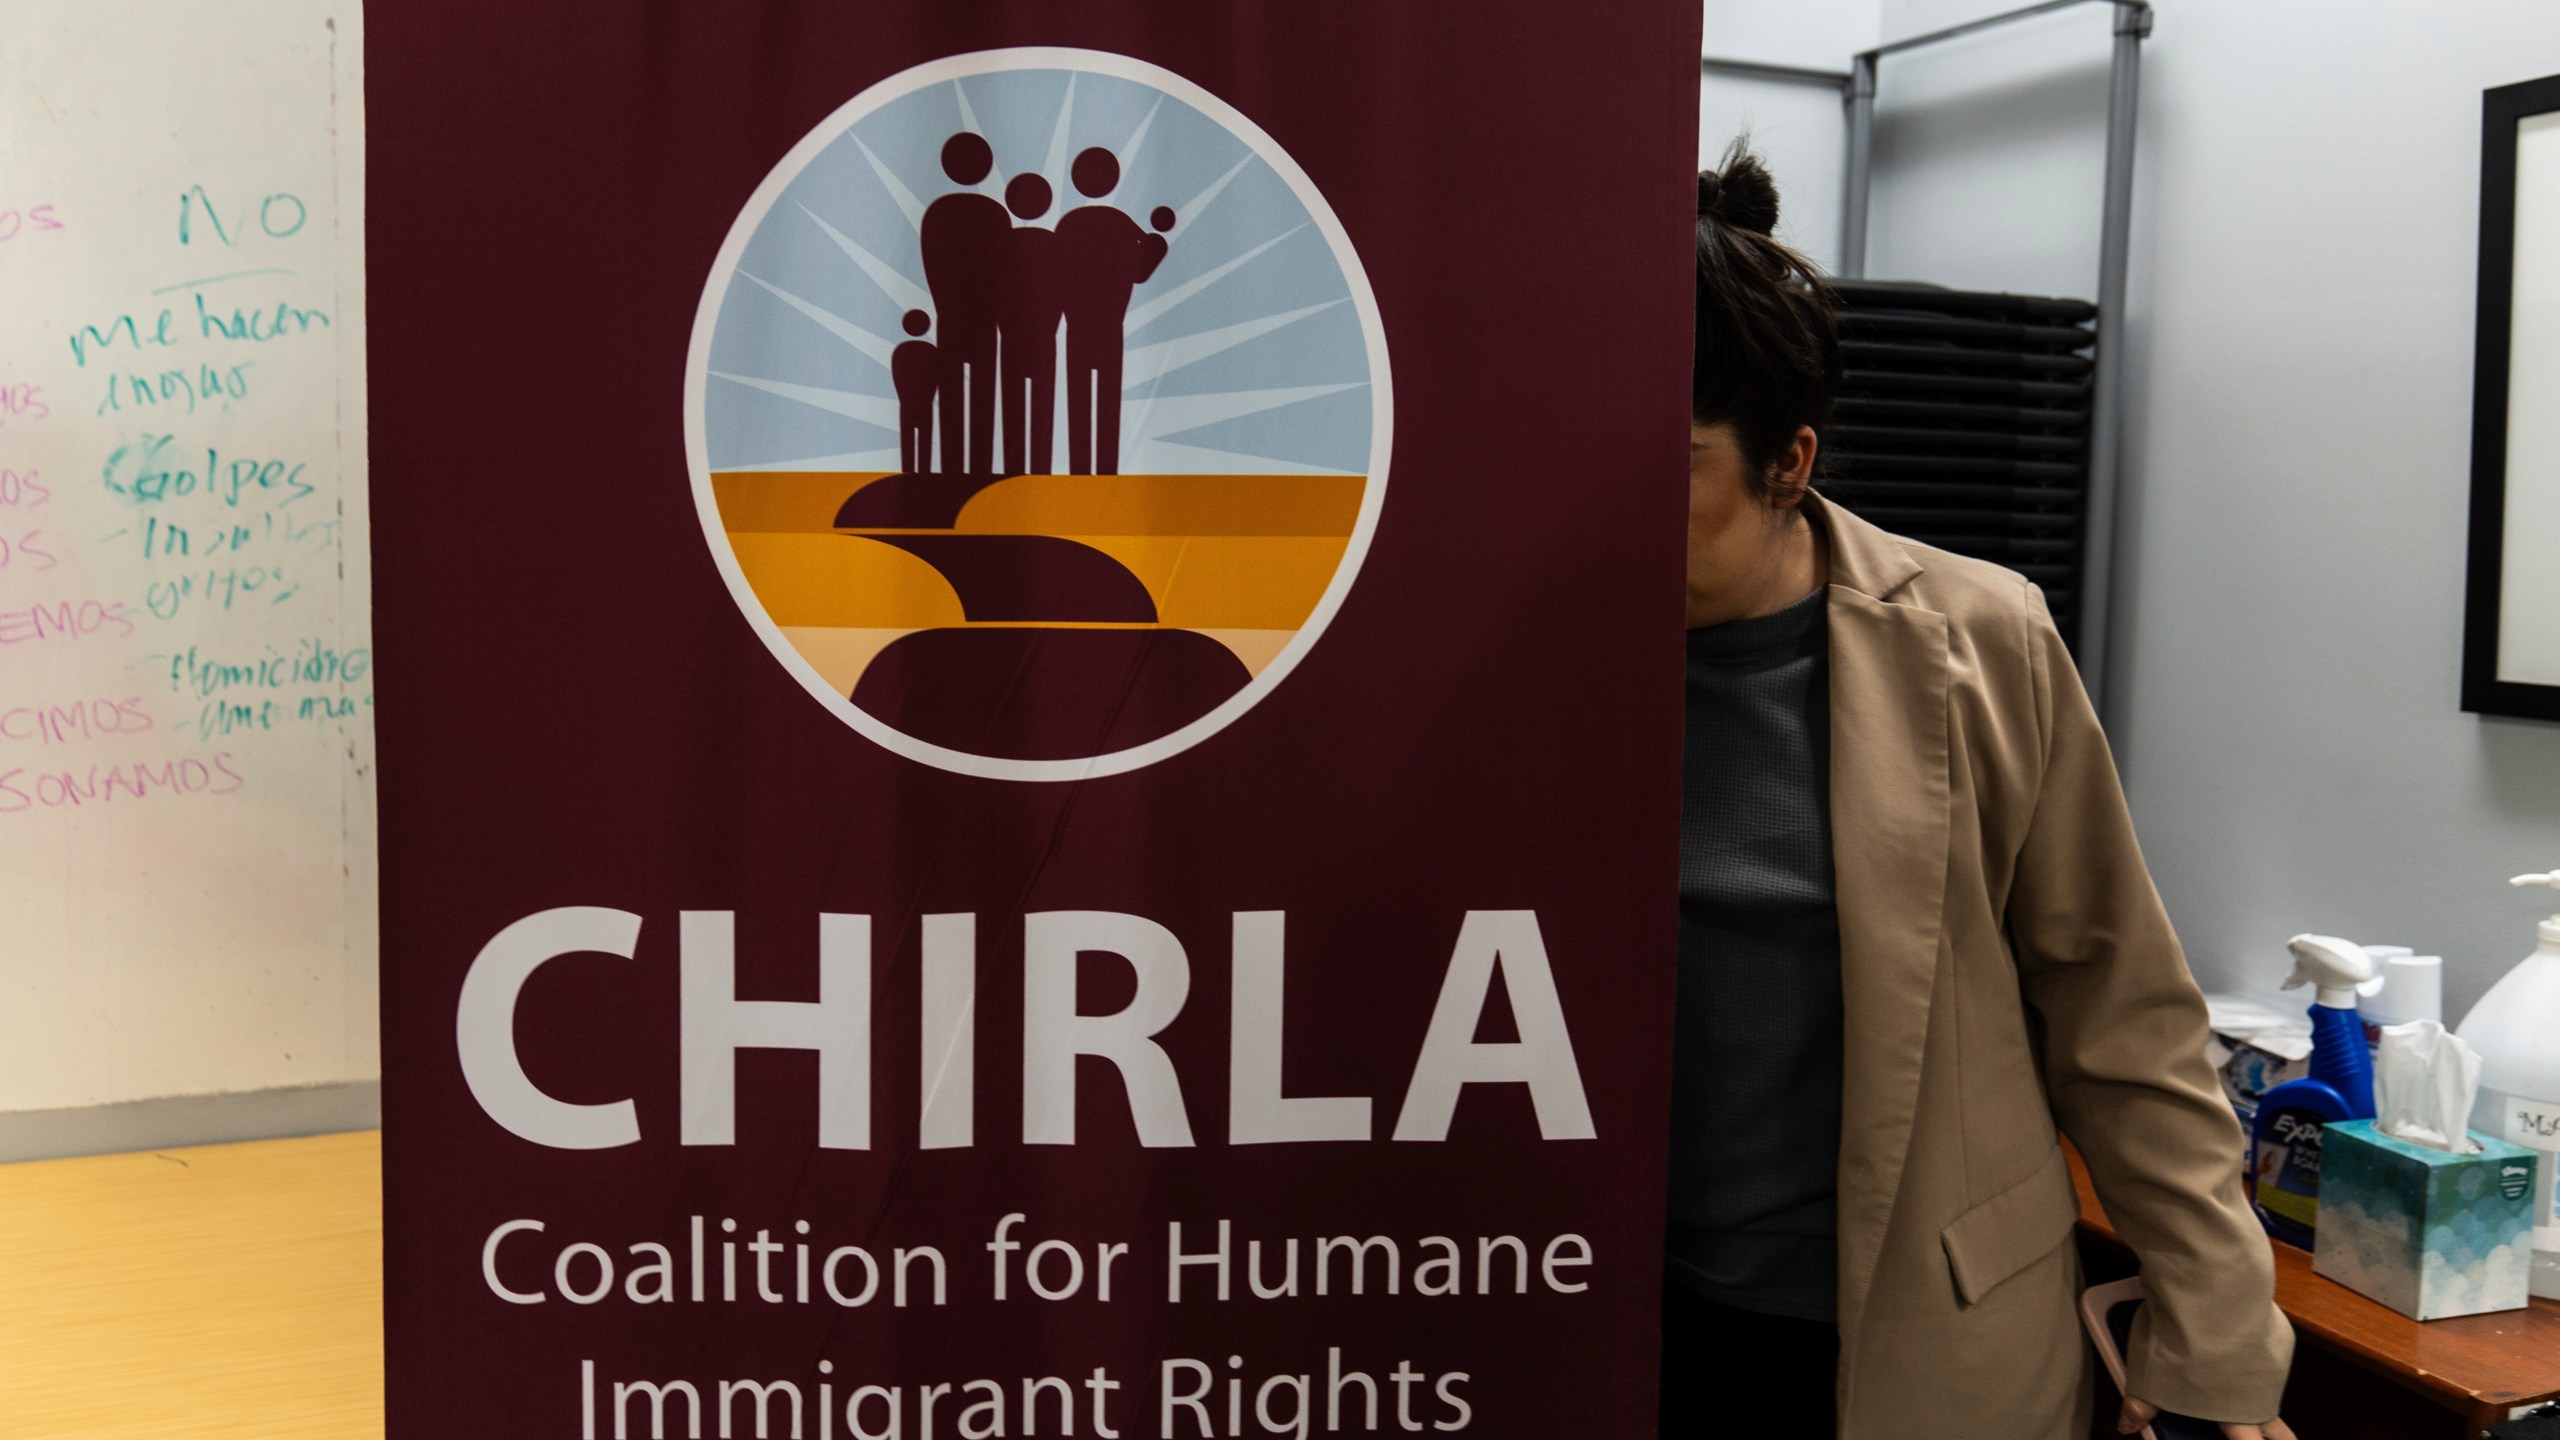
[(1767, 357), (1741, 194)]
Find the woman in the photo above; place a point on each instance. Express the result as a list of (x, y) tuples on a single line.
[(1917, 943)]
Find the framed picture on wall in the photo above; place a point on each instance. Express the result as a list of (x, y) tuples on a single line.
[(2511, 621)]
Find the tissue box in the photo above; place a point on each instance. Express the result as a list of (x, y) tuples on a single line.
[(2427, 1233)]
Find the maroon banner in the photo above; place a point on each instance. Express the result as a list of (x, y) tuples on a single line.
[(1029, 698)]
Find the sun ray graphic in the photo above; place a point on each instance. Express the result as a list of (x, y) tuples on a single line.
[(905, 199), (1199, 460), (892, 282), (1054, 167), (994, 183), (1192, 209), (873, 410), (874, 346), (1141, 315), (1147, 364), (1138, 137), (1170, 415), (851, 460)]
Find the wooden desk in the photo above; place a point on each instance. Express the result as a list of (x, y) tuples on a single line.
[(228, 1292), (2445, 1378)]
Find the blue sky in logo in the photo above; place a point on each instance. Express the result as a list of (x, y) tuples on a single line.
[(1245, 353)]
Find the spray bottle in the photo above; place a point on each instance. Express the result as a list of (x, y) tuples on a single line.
[(2516, 1029), (2284, 1147)]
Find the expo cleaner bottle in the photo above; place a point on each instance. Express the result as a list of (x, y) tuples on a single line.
[(2516, 1029), (2284, 1145)]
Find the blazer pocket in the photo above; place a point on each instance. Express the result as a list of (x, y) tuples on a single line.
[(2012, 1230)]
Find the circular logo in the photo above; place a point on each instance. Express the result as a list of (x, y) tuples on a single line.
[(1038, 413)]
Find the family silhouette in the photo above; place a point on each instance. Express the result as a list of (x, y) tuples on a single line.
[(1002, 290)]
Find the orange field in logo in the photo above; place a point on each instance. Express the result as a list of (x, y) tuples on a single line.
[(891, 587)]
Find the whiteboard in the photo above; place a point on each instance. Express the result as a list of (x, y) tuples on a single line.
[(186, 740)]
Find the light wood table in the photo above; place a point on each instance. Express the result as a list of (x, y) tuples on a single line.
[(227, 1292), (2361, 1368)]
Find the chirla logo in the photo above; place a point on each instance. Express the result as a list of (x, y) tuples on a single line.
[(1038, 413)]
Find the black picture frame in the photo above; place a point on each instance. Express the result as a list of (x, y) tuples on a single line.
[(2501, 110)]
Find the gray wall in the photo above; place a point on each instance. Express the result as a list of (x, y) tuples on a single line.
[(2291, 610), (1795, 127)]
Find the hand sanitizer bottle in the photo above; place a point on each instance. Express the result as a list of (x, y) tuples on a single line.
[(2516, 1029), (2284, 1143)]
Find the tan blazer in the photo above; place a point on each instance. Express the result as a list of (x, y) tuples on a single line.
[(2008, 969)]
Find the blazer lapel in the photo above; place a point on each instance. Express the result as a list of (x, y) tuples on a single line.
[(1889, 827)]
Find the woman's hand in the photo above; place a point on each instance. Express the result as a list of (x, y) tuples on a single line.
[(2138, 1413)]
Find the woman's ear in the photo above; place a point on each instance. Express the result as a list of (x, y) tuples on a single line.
[(1797, 464), (1793, 477)]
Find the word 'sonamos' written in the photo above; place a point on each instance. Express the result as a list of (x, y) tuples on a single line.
[(24, 789)]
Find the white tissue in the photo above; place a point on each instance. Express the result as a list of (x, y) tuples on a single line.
[(2423, 1082)]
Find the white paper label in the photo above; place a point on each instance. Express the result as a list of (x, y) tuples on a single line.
[(2534, 1124)]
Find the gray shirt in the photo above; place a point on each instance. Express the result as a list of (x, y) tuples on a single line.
[(1756, 1054)]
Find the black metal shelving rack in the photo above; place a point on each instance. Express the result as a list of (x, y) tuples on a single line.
[(1964, 423)]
